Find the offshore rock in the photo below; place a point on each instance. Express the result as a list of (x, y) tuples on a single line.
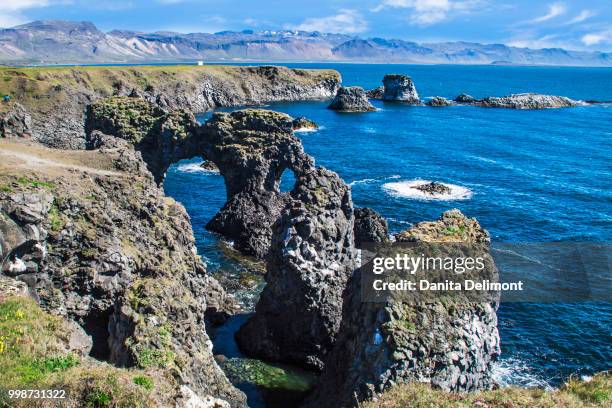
[(465, 98), (400, 88), (376, 93), (351, 99), (312, 256), (439, 101), (303, 123), (451, 345), (209, 166), (528, 101), (433, 188), (370, 227)]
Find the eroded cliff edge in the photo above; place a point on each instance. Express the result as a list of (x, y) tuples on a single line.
[(53, 100)]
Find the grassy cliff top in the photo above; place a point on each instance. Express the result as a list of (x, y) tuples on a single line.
[(21, 81)]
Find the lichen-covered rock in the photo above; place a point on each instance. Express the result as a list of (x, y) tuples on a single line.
[(439, 101), (376, 93), (448, 343), (312, 256), (15, 121), (528, 101), (400, 88), (351, 99), (370, 227)]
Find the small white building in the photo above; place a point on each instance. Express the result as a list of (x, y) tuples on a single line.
[(200, 63)]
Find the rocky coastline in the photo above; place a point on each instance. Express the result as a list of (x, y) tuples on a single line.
[(88, 234)]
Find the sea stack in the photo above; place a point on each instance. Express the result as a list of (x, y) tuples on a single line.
[(351, 99), (400, 88)]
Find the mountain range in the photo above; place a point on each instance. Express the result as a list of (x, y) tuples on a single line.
[(57, 41)]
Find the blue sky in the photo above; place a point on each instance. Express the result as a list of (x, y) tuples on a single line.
[(572, 24)]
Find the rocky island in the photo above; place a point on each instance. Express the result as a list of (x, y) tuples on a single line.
[(351, 99)]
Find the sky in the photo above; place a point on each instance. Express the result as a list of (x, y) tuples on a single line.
[(570, 24)]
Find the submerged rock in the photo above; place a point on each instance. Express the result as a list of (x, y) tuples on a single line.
[(433, 188), (528, 101), (449, 343), (439, 101), (351, 99), (400, 88), (370, 227), (376, 93)]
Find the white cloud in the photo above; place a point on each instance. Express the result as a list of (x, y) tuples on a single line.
[(345, 22), (597, 38), (554, 10), (428, 12), (584, 15), (170, 1), (11, 11)]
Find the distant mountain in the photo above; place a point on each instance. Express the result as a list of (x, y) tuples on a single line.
[(55, 41)]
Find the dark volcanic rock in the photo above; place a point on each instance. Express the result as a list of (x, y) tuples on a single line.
[(465, 98), (312, 256), (528, 101), (370, 227), (209, 166), (451, 345), (351, 99), (400, 88), (376, 93), (439, 101), (433, 188)]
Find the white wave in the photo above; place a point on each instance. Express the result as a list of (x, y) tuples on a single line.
[(406, 189), (195, 168), (372, 180), (307, 129), (515, 372)]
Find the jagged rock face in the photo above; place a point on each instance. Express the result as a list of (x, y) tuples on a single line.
[(400, 88), (108, 250), (298, 315), (528, 101), (370, 227), (351, 99), (376, 93), (15, 121), (451, 346), (302, 123), (252, 149), (439, 101)]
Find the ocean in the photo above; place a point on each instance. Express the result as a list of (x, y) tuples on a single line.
[(527, 176)]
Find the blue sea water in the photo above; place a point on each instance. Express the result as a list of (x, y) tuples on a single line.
[(527, 176)]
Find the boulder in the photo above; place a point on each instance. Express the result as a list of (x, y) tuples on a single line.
[(15, 121), (439, 101), (400, 88), (433, 188), (303, 123), (209, 166), (351, 99), (370, 227), (376, 93), (464, 98)]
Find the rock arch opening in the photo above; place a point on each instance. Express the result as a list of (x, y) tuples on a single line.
[(286, 181)]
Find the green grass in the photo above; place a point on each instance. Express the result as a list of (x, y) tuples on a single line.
[(5, 189), (144, 381), (34, 183), (55, 219), (575, 393)]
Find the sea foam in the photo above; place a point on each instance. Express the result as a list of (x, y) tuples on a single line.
[(194, 168), (406, 189)]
